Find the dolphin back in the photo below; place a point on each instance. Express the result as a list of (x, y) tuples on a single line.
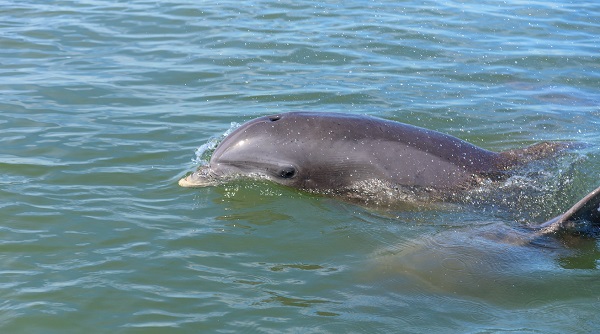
[(583, 218), (537, 151)]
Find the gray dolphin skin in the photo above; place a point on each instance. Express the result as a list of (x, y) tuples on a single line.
[(318, 151), (325, 152)]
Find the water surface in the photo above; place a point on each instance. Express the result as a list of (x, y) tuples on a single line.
[(105, 102)]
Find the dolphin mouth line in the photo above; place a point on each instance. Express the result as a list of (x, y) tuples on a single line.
[(206, 177), (198, 179)]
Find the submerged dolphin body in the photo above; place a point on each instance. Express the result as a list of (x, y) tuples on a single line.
[(498, 262), (345, 154)]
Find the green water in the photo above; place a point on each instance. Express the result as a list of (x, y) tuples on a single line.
[(104, 104)]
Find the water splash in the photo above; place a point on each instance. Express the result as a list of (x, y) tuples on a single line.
[(204, 152)]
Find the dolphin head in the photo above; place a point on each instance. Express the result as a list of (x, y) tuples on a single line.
[(279, 148)]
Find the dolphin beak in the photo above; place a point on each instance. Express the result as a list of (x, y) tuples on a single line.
[(199, 178)]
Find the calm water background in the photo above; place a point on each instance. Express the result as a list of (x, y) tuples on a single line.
[(103, 104)]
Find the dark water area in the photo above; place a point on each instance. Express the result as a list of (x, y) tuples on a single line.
[(104, 104)]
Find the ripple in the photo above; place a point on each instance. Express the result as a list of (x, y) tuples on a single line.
[(104, 104)]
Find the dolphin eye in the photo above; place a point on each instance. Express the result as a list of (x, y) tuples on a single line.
[(287, 172), (274, 118)]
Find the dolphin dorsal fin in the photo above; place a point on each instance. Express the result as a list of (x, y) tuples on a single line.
[(583, 218)]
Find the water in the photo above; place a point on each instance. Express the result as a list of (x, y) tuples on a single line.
[(104, 104)]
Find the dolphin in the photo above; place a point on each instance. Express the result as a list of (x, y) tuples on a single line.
[(455, 261), (336, 153)]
